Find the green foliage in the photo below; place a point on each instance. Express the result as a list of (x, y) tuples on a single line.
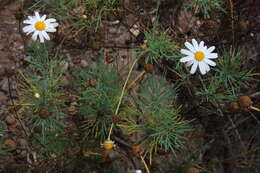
[(227, 82), (230, 72), (41, 85), (214, 93), (150, 111), (159, 46), (99, 102), (82, 14), (205, 6), (56, 143), (156, 117), (156, 93)]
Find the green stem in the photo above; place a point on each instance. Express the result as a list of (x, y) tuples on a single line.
[(122, 95)]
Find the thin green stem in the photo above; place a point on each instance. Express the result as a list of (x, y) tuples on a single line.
[(122, 95), (136, 79)]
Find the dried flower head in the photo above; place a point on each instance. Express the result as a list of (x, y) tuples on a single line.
[(44, 113), (244, 102), (9, 144), (149, 68), (192, 170)]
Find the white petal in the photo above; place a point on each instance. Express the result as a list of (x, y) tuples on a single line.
[(43, 17), (189, 63), (41, 37), (211, 49), (187, 52), (204, 49), (195, 44), (194, 67), (31, 18), (210, 62), (35, 35), (207, 68), (53, 25), (186, 59), (50, 20), (45, 35), (30, 32), (28, 28), (202, 67), (50, 30), (212, 55), (37, 15), (190, 47), (28, 22), (201, 45)]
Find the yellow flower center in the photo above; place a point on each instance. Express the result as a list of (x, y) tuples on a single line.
[(199, 56), (40, 25)]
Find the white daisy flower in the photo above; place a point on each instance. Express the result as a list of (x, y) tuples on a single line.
[(40, 26), (198, 55)]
